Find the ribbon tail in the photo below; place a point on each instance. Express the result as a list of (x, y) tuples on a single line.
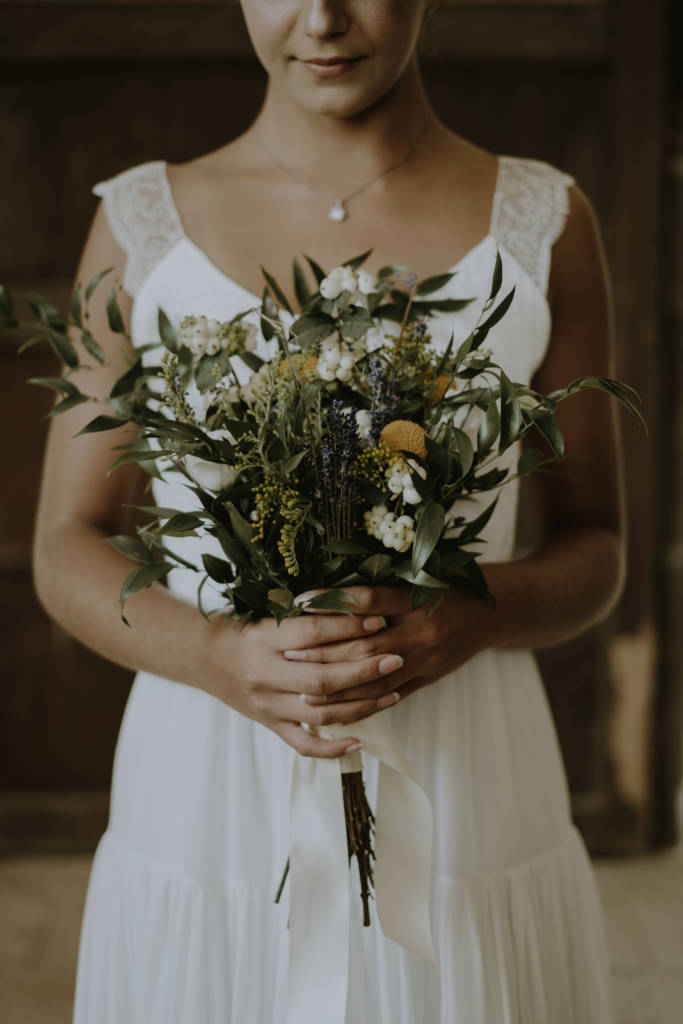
[(319, 895)]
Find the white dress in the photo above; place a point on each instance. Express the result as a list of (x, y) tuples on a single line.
[(180, 925)]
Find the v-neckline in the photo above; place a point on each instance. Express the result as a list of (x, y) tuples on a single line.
[(257, 298)]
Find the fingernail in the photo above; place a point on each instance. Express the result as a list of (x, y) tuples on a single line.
[(391, 698), (390, 663), (295, 655), (373, 623), (353, 748)]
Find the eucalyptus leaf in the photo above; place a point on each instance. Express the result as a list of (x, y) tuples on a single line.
[(331, 601), (277, 291), (301, 289), (434, 283), (143, 577), (92, 347), (101, 423), (167, 331), (489, 428), (93, 283), (67, 404), (131, 547), (357, 261), (530, 459), (497, 279), (63, 348), (55, 384), (427, 535), (318, 272), (217, 568), (77, 305), (376, 567), (114, 315)]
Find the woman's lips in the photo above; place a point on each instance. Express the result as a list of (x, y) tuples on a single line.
[(330, 67)]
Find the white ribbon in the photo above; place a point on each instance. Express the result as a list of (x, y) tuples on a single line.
[(319, 874)]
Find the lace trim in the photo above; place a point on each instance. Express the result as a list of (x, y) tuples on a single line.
[(143, 218), (529, 213)]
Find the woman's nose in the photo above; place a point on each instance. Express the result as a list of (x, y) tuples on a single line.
[(324, 18)]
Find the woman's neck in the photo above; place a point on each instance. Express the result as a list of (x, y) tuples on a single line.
[(344, 151)]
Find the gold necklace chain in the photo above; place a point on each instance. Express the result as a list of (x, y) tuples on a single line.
[(338, 212)]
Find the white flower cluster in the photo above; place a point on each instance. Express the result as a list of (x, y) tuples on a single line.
[(396, 532), (207, 336), (399, 480), (344, 279), (336, 359)]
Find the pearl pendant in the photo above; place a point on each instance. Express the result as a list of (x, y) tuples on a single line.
[(337, 212)]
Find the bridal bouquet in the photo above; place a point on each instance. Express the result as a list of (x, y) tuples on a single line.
[(334, 447)]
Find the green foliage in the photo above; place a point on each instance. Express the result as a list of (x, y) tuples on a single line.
[(294, 501)]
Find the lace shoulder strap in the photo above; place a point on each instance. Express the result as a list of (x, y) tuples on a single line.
[(529, 213), (142, 217)]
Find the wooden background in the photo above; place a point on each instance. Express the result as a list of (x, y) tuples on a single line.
[(90, 88)]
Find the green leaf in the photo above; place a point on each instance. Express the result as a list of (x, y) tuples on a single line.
[(357, 261), (131, 547), (419, 579), (69, 403), (433, 284), (376, 566), (276, 290), (331, 601), (6, 302), (77, 305), (56, 384), (63, 348), (318, 272), (498, 314), (218, 569), (138, 455), (301, 289), (271, 311), (243, 530), (548, 426), (510, 414), (143, 577), (114, 316), (529, 461), (464, 449), (232, 547), (184, 524), (102, 423), (167, 331), (282, 597), (127, 381), (488, 428), (472, 529), (427, 534), (93, 283), (497, 279), (92, 347)]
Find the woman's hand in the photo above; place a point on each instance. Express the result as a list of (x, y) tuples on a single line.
[(282, 693), (430, 645)]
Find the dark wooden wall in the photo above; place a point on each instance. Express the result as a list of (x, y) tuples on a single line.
[(90, 88)]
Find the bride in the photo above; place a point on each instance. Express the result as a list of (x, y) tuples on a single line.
[(345, 155)]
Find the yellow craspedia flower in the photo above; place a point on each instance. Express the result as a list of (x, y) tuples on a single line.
[(443, 383), (405, 436)]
